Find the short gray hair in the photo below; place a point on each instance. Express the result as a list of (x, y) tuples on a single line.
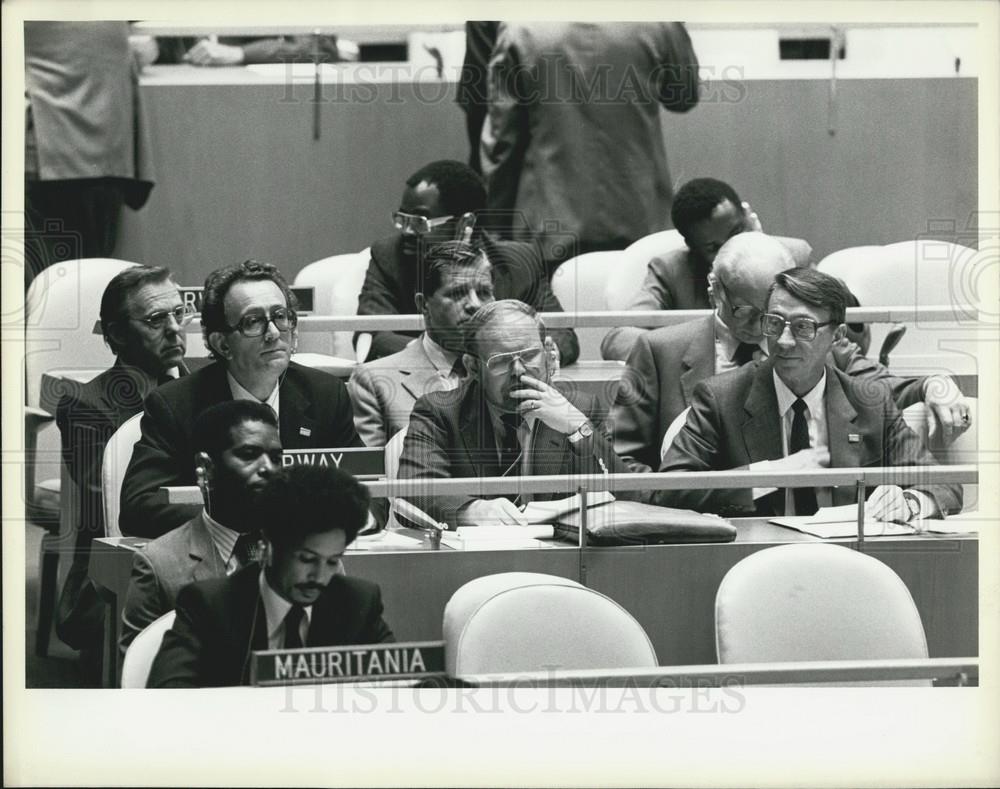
[(493, 312)]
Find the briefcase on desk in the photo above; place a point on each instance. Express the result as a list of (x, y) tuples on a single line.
[(635, 523)]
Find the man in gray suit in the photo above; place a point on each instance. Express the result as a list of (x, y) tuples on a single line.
[(707, 213), (457, 281), (238, 450), (667, 363)]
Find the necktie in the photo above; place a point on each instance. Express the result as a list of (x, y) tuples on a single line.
[(293, 623), (247, 548), (458, 369), (744, 353), (804, 498)]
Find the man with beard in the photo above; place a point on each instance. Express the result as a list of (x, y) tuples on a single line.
[(298, 598), (506, 419), (457, 281), (238, 450)]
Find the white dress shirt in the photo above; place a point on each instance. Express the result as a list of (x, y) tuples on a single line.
[(276, 608), (239, 393), (726, 345), (443, 361)]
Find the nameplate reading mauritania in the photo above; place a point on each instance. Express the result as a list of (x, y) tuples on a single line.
[(316, 665)]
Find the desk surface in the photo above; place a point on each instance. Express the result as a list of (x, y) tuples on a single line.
[(670, 589)]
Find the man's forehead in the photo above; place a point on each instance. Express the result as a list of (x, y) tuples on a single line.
[(424, 198), (509, 335), (465, 275), (155, 294), (253, 431), (784, 303), (254, 294)]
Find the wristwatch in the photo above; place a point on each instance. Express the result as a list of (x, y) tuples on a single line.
[(912, 503), (586, 430)]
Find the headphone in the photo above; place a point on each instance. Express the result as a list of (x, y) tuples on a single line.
[(201, 477)]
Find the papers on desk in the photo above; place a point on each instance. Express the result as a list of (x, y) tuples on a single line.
[(831, 522), (385, 540), (497, 538), (551, 511)]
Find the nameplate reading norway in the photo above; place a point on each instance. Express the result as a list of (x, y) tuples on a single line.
[(194, 294), (317, 665), (362, 462)]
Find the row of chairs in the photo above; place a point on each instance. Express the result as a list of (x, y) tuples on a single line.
[(791, 603)]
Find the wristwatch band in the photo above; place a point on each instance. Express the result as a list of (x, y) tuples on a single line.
[(586, 430), (912, 503)]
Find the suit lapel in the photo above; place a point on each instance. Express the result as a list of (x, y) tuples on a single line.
[(762, 425), (416, 371), (699, 359), (840, 423), (296, 422), (205, 560)]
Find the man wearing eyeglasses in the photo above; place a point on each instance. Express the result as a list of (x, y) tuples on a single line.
[(796, 411), (249, 325), (440, 203), (667, 363), (506, 419), (142, 320)]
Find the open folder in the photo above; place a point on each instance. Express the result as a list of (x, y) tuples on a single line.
[(831, 522)]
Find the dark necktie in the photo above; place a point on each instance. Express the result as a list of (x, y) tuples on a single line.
[(293, 622), (458, 369), (804, 498), (744, 353), (247, 548)]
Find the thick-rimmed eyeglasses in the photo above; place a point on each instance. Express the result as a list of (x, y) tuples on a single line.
[(773, 325), (745, 312), (255, 324), (414, 223), (500, 363), (158, 321)]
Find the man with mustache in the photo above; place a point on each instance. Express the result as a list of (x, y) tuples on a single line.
[(238, 450), (506, 419), (249, 324), (457, 281), (298, 598)]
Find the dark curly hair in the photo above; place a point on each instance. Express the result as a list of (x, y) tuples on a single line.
[(461, 188), (217, 285), (695, 201)]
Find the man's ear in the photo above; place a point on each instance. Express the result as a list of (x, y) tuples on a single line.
[(116, 336), (419, 301), (217, 342)]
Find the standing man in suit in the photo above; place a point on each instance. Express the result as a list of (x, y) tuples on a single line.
[(506, 419), (309, 514), (796, 411), (573, 138), (458, 280), (248, 322), (142, 320), (238, 451), (440, 203), (707, 213), (667, 363)]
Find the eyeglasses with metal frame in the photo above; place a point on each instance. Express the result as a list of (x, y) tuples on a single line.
[(773, 325), (255, 324)]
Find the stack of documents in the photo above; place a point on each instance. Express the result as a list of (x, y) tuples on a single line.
[(831, 522)]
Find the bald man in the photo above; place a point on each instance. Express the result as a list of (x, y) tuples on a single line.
[(666, 364)]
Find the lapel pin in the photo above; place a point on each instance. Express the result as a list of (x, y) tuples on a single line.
[(305, 431), (853, 438)]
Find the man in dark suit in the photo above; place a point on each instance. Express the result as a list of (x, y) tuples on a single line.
[(238, 451), (796, 411), (666, 364), (142, 320), (506, 419), (440, 203), (707, 213), (248, 321), (310, 514)]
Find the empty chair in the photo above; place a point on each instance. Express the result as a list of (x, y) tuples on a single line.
[(337, 281), (141, 652), (814, 602), (117, 454), (630, 275), (519, 622), (579, 284)]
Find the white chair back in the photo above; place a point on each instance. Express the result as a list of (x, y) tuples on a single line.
[(141, 652), (629, 276), (117, 455), (923, 272), (810, 601), (337, 280), (513, 622), (579, 284)]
